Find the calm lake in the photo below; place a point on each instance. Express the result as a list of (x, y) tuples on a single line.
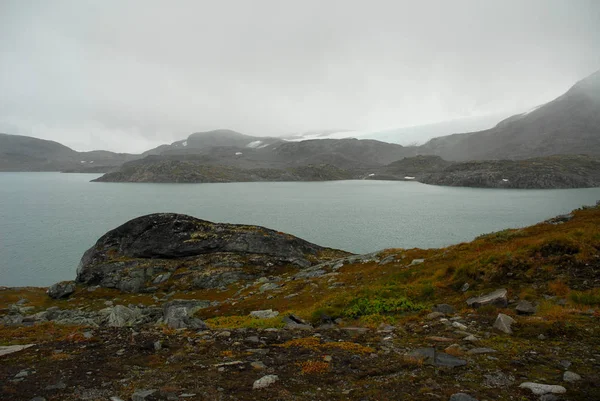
[(47, 220)]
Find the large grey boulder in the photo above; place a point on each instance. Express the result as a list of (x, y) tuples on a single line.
[(61, 290), (134, 255), (497, 298)]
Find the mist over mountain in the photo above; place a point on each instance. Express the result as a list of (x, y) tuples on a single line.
[(570, 124)]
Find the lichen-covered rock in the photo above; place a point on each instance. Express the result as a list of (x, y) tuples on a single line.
[(61, 290), (147, 251)]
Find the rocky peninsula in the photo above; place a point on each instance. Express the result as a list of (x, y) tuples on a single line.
[(170, 307)]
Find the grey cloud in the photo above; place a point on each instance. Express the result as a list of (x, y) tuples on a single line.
[(94, 74)]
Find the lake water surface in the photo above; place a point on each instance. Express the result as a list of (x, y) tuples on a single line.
[(47, 220)]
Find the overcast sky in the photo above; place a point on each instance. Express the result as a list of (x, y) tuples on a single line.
[(126, 75)]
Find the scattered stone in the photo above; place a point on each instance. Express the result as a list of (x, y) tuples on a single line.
[(432, 357), (61, 290), (571, 377), (434, 315), (253, 339), (459, 326), (497, 298), (258, 365), (22, 301), (417, 262), (525, 308), (178, 314), (465, 287), (24, 373), (540, 389), (58, 386), (265, 381), (440, 339), (264, 314), (471, 338), (503, 323), (476, 351), (565, 363), (444, 308), (389, 259), (268, 287), (9, 349), (462, 397), (122, 316), (498, 379), (224, 334), (38, 399), (142, 395), (161, 278)]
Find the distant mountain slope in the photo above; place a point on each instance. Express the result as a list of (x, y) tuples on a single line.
[(23, 153), (569, 124), (210, 139)]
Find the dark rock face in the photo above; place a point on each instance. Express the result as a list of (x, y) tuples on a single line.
[(133, 256)]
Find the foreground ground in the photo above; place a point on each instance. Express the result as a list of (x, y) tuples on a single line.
[(362, 329)]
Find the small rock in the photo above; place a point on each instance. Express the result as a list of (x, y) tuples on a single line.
[(38, 399), (268, 287), (264, 382), (471, 338), (541, 337), (417, 262), (142, 395), (264, 314), (444, 308), (525, 308), (481, 351), (465, 287), (503, 323), (58, 386), (258, 365), (253, 339), (9, 349), (540, 389), (224, 334), (462, 397), (459, 326), (23, 373), (327, 358), (61, 290), (571, 377), (497, 298)]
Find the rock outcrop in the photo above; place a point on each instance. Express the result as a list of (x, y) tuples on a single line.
[(167, 249)]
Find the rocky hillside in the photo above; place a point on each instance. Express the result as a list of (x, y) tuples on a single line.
[(538, 173), (23, 153), (513, 315), (569, 124), (197, 170)]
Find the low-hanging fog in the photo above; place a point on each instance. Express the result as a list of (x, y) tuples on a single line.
[(128, 75)]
